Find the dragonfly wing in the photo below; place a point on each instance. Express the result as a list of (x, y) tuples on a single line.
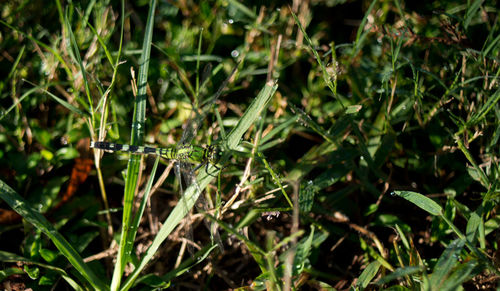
[(199, 115), (201, 204), (188, 228), (189, 133)]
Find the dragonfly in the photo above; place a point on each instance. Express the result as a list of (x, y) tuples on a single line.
[(185, 154)]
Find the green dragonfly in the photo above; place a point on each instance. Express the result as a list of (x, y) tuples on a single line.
[(186, 153), (183, 154)]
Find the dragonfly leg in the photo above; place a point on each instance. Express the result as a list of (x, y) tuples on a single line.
[(199, 166), (206, 164), (206, 169)]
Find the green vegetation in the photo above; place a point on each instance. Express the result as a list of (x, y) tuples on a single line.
[(358, 140)]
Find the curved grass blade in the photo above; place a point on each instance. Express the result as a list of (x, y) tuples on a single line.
[(186, 170), (446, 262), (61, 101), (421, 201), (13, 258), (43, 45), (368, 274), (137, 135), (18, 204), (203, 179), (76, 53)]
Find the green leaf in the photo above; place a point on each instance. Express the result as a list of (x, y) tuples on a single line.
[(18, 204), (352, 109), (137, 136), (204, 178), (490, 103), (5, 273), (472, 227), (463, 273), (48, 255), (368, 274), (301, 259), (421, 201), (33, 272), (446, 262), (399, 273)]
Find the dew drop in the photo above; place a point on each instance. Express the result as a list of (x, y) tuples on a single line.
[(235, 53)]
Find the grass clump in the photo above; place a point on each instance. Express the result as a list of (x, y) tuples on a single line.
[(359, 145)]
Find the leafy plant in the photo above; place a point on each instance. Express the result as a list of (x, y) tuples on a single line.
[(355, 154)]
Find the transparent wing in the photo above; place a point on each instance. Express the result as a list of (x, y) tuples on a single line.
[(199, 115), (201, 204), (185, 169), (188, 228)]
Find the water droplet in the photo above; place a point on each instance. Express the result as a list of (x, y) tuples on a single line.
[(235, 53), (230, 21), (393, 193)]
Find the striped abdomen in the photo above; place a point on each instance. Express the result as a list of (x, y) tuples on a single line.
[(185, 153)]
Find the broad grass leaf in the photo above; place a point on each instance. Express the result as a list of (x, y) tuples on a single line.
[(421, 201)]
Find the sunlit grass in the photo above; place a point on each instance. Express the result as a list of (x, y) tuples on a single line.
[(359, 150)]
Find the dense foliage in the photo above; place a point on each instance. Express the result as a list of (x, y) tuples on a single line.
[(359, 140)]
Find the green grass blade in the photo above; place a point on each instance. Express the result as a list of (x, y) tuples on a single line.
[(483, 179), (421, 201), (461, 274), (192, 193), (236, 4), (13, 69), (276, 179), (360, 35), (18, 204), (68, 106), (399, 273), (472, 12), (140, 211), (26, 94), (326, 75), (13, 258), (446, 262), (253, 112), (83, 71), (368, 274), (186, 265), (46, 47), (490, 103), (137, 135)]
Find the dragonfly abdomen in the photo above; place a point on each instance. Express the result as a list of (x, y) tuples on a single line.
[(183, 153), (167, 153)]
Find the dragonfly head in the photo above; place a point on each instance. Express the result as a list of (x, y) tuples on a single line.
[(214, 154)]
